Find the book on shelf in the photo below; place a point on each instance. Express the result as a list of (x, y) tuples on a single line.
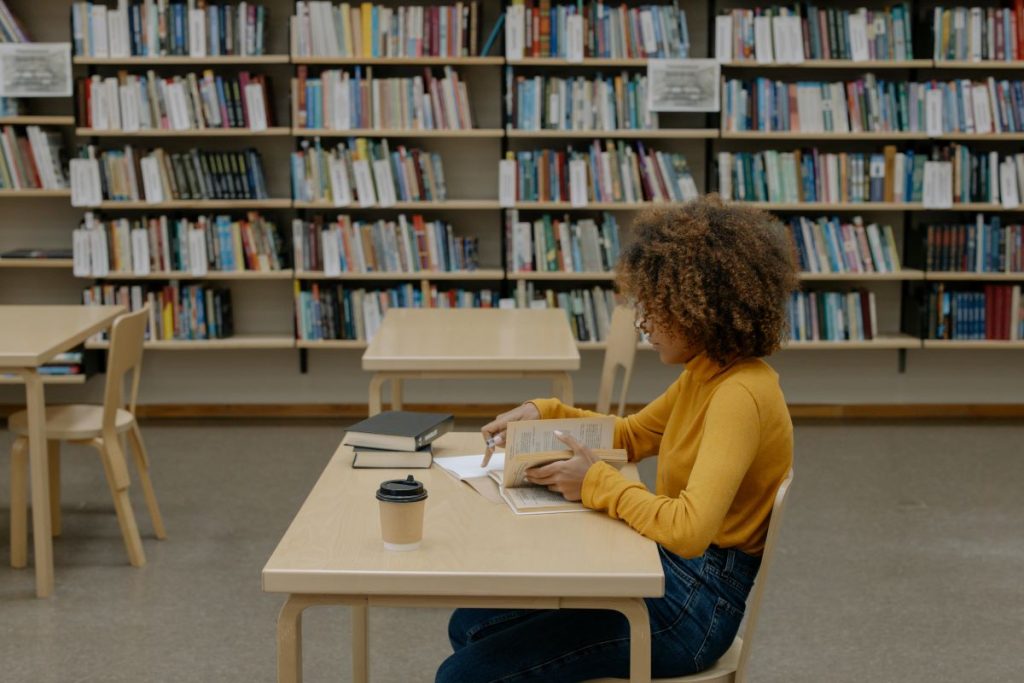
[(833, 316), (532, 443), (366, 173), (399, 430), (589, 311), (155, 176), (383, 458), (541, 28), (36, 254), (11, 31), (602, 103), (332, 311), (33, 161), (156, 28), (558, 244), (978, 34), (793, 34), (163, 244), (325, 29), (176, 311), (868, 104), (340, 100), (617, 171), (406, 245), (131, 102), (978, 247), (992, 312), (829, 245)]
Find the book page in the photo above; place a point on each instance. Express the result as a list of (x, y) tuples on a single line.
[(532, 500), (538, 436)]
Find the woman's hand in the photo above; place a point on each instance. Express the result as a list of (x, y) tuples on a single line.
[(494, 431), (565, 476)]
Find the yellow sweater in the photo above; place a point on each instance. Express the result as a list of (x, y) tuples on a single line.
[(725, 442)]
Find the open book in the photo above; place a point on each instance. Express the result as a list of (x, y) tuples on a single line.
[(532, 443)]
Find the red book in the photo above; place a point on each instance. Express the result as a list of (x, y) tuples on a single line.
[(1018, 16), (989, 317), (243, 81)]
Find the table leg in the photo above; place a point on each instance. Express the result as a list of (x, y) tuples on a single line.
[(289, 640), (396, 393), (635, 611), (563, 388), (360, 643), (376, 388), (39, 477)]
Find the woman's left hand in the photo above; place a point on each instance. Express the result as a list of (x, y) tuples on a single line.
[(565, 476)]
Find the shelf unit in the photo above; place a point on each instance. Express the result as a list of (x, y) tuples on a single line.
[(397, 61), (182, 60), (35, 194), (461, 134), (236, 343), (276, 131), (287, 274), (34, 120), (47, 379), (481, 274), (198, 205), (33, 264)]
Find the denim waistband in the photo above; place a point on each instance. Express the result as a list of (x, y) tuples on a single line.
[(733, 562)]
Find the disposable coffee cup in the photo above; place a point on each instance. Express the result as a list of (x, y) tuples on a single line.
[(402, 502)]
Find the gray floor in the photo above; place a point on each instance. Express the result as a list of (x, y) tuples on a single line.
[(902, 558)]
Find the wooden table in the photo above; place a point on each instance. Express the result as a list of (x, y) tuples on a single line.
[(475, 553), (30, 336), (470, 343)]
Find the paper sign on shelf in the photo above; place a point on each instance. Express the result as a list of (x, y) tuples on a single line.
[(515, 39), (723, 38), (507, 182), (85, 183)]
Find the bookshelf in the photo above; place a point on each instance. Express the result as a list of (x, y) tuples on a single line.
[(223, 60), (276, 131)]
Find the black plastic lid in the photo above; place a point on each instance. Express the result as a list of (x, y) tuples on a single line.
[(406, 490)]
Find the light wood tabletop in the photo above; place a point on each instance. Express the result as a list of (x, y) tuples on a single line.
[(475, 553), (473, 339), (31, 335)]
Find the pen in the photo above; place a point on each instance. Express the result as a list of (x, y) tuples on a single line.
[(492, 443)]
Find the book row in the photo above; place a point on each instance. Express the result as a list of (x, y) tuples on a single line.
[(602, 103), (333, 311), (407, 245), (323, 29), (617, 172), (978, 247), (828, 245), (992, 312), (367, 173), (978, 33), (132, 102), (871, 105), (338, 100), (154, 28), (833, 316), (159, 244), (157, 176), (31, 161), (793, 34), (535, 28), (11, 30), (588, 311), (558, 244), (187, 312)]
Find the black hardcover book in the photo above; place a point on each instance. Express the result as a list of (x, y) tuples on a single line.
[(204, 171), (399, 430), (33, 254)]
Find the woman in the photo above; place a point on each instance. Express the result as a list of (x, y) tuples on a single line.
[(710, 284)]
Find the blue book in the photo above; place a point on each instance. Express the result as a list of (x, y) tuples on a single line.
[(493, 36)]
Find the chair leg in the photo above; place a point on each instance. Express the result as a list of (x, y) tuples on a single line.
[(19, 503), (53, 452), (109, 449), (142, 464)]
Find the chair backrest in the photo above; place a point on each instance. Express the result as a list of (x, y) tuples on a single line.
[(757, 592), (126, 337), (622, 338)]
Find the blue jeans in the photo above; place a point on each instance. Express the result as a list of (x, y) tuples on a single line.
[(691, 627)]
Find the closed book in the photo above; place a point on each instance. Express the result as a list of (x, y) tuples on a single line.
[(379, 458), (399, 430)]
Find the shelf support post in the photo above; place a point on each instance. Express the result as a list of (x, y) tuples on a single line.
[(303, 361)]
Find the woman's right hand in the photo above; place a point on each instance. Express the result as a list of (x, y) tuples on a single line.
[(494, 431)]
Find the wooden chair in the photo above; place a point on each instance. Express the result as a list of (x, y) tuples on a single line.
[(732, 666), (621, 353), (101, 427)]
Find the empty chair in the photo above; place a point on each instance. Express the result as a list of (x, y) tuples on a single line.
[(101, 427), (621, 353), (732, 666)]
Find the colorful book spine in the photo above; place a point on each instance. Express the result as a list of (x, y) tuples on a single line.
[(978, 33), (829, 245), (978, 247), (985, 312), (587, 310), (550, 103), (190, 312), (558, 244), (833, 316), (33, 161)]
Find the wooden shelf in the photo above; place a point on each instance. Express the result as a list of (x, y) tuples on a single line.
[(900, 275), (880, 136), (288, 274), (31, 120), (492, 133), (655, 133), (593, 206), (47, 379), (873, 206), (901, 341), (401, 61), (200, 205), (993, 64), (332, 344), (32, 263), (591, 345), (937, 275), (34, 194), (835, 64), (447, 205), (279, 131), (588, 61), (986, 344), (236, 343), (485, 274), (559, 275), (241, 60)]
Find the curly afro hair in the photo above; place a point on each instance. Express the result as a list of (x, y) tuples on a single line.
[(719, 276)]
